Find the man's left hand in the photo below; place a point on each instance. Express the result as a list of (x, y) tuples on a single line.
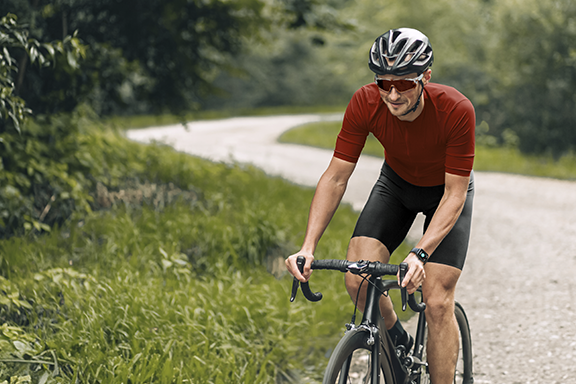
[(415, 275)]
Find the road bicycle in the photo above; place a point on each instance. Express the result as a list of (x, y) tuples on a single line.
[(366, 353)]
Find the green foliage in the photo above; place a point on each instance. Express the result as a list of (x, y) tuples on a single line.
[(37, 164), (14, 39), (537, 99), (12, 108), (181, 56), (171, 292), (288, 73), (164, 57), (161, 55), (44, 174)]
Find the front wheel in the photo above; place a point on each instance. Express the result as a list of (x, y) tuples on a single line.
[(463, 373), (351, 361)]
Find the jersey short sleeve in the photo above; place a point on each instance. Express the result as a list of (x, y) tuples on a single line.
[(460, 146), (355, 127)]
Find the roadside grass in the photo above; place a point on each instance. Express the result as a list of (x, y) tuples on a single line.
[(176, 277), (143, 121), (494, 159)]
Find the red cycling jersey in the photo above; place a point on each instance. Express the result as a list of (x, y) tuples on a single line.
[(439, 140)]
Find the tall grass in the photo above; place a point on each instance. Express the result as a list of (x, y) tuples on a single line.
[(174, 287), (488, 158)]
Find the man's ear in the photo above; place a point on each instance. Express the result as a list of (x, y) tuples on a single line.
[(427, 76)]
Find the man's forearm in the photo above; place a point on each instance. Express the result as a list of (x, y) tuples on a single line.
[(328, 195), (442, 223), (446, 214)]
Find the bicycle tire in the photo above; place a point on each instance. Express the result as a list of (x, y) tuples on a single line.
[(353, 346), (464, 365), (464, 373)]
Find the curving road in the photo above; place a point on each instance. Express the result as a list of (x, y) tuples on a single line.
[(519, 281)]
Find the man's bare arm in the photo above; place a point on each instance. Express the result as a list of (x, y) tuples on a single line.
[(443, 221), (329, 192)]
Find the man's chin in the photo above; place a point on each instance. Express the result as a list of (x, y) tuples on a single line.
[(397, 111)]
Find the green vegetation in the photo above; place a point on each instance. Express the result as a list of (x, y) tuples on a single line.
[(164, 58), (488, 158), (188, 56), (167, 280), (127, 263), (143, 121)]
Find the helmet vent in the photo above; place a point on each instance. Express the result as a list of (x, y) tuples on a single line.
[(395, 36)]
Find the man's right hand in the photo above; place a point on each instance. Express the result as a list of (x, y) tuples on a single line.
[(293, 267)]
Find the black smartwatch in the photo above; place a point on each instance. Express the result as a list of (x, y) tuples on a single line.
[(422, 255)]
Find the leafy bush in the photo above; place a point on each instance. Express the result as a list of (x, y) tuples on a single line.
[(35, 158), (52, 167), (171, 287), (46, 174)]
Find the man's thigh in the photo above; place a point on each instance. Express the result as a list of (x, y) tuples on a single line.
[(367, 248)]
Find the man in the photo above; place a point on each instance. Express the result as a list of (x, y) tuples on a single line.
[(427, 131)]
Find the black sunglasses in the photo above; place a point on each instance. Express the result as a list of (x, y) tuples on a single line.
[(402, 85)]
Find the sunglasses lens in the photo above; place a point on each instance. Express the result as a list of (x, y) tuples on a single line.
[(400, 85)]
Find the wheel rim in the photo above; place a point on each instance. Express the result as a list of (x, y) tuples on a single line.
[(360, 368)]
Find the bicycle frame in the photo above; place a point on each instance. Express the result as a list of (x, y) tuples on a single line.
[(416, 357), (372, 319), (373, 322), (397, 365)]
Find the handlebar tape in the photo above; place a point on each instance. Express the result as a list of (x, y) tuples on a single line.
[(308, 294)]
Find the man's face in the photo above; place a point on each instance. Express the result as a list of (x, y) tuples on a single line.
[(399, 103)]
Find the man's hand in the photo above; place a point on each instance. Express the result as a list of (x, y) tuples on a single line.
[(415, 275), (293, 268)]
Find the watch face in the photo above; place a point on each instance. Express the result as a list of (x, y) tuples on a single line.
[(422, 255)]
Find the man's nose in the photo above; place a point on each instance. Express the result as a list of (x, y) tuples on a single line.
[(394, 94)]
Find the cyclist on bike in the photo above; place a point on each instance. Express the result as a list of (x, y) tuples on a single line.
[(427, 131)]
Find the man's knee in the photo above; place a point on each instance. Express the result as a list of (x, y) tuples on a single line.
[(439, 309), (351, 282), (439, 290)]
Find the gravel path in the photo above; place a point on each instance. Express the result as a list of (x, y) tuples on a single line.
[(518, 283)]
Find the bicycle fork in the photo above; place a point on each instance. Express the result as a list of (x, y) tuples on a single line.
[(372, 341)]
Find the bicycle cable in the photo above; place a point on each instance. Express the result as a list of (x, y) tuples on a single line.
[(364, 278), (383, 293), (353, 320)]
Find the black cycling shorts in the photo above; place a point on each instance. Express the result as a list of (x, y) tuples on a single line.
[(393, 205)]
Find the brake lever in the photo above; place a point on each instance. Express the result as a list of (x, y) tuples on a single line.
[(308, 294), (300, 261), (403, 268), (295, 285)]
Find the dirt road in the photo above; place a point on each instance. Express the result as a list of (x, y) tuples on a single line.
[(519, 280)]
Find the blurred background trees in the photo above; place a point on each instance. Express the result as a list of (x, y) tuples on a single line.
[(152, 56), (516, 63)]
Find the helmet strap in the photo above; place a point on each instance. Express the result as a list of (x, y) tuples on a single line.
[(415, 107)]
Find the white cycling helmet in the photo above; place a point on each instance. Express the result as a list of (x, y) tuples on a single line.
[(408, 50)]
